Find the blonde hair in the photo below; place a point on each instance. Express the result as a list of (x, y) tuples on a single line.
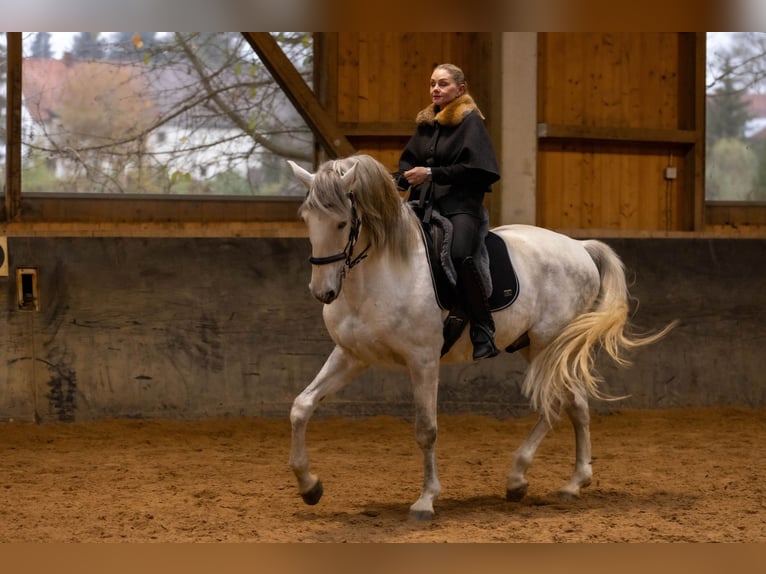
[(455, 73)]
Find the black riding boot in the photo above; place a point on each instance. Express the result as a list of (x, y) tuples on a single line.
[(477, 307)]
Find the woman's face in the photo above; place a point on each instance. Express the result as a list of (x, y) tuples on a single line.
[(443, 87)]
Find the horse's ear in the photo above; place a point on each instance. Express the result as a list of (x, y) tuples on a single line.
[(348, 177), (304, 176)]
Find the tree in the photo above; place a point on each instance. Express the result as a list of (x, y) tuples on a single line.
[(41, 45), (125, 46), (727, 111), (171, 111), (732, 171), (87, 46), (734, 158)]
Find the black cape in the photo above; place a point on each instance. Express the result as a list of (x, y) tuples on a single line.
[(455, 143)]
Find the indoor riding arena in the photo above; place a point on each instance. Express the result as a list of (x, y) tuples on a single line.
[(158, 323)]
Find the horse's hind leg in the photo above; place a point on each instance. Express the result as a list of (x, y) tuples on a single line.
[(516, 485), (578, 413), (337, 372)]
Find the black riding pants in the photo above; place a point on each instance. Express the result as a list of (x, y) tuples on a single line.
[(465, 238)]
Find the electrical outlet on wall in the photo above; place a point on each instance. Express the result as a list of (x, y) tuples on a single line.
[(671, 172)]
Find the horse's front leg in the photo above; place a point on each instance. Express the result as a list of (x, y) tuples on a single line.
[(425, 382), (339, 369)]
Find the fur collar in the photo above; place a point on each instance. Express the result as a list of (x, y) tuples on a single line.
[(451, 115)]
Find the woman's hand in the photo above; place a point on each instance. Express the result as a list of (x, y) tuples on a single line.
[(416, 175)]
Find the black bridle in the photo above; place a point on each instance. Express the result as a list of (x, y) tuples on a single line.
[(348, 251)]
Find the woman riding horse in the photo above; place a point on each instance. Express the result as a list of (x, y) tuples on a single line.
[(450, 164)]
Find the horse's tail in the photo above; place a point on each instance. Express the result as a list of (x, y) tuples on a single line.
[(565, 366)]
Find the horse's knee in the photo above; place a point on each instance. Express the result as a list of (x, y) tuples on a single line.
[(426, 435), (300, 411), (578, 411)]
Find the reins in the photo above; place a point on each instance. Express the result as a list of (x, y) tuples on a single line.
[(348, 250)]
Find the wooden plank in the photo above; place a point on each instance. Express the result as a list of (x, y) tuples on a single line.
[(379, 129), (552, 102), (149, 229), (389, 61), (630, 78), (296, 89), (668, 66), (326, 56), (605, 194), (91, 208), (365, 89), (348, 77), (13, 128), (620, 134), (734, 214), (580, 181), (410, 79), (545, 202), (650, 106), (572, 87), (630, 192), (608, 99)]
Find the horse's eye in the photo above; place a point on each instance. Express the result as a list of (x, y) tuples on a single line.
[(342, 224)]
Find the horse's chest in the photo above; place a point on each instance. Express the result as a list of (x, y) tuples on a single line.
[(371, 331), (368, 325)]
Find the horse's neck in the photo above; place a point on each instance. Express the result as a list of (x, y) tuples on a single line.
[(383, 274)]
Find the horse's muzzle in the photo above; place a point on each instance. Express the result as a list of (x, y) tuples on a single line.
[(326, 297)]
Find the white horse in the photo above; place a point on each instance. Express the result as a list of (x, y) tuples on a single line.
[(370, 271)]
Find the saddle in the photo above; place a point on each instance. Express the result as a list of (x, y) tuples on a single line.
[(493, 261)]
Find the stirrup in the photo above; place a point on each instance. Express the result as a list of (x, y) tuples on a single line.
[(483, 340)]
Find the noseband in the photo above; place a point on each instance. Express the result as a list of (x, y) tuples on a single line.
[(348, 251)]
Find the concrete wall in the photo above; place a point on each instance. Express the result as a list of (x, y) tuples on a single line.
[(192, 328)]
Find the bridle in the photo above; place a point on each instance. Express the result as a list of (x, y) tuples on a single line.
[(348, 250)]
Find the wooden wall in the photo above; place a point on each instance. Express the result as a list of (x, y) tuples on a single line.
[(374, 83), (614, 111)]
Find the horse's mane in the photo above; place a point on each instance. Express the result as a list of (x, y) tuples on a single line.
[(383, 215)]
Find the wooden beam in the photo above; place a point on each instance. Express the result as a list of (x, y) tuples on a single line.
[(296, 89), (13, 129), (698, 164), (628, 135)]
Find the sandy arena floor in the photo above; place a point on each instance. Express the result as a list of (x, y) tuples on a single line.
[(667, 475)]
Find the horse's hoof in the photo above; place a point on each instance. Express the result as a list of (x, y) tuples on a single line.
[(421, 515), (567, 495), (516, 494), (314, 494)]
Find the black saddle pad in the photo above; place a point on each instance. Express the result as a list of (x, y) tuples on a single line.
[(505, 283)]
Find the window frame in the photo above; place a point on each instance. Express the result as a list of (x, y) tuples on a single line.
[(721, 215), (162, 214)]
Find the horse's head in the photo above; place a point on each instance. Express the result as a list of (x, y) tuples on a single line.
[(333, 226)]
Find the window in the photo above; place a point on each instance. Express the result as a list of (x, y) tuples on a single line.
[(159, 113), (735, 117)]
